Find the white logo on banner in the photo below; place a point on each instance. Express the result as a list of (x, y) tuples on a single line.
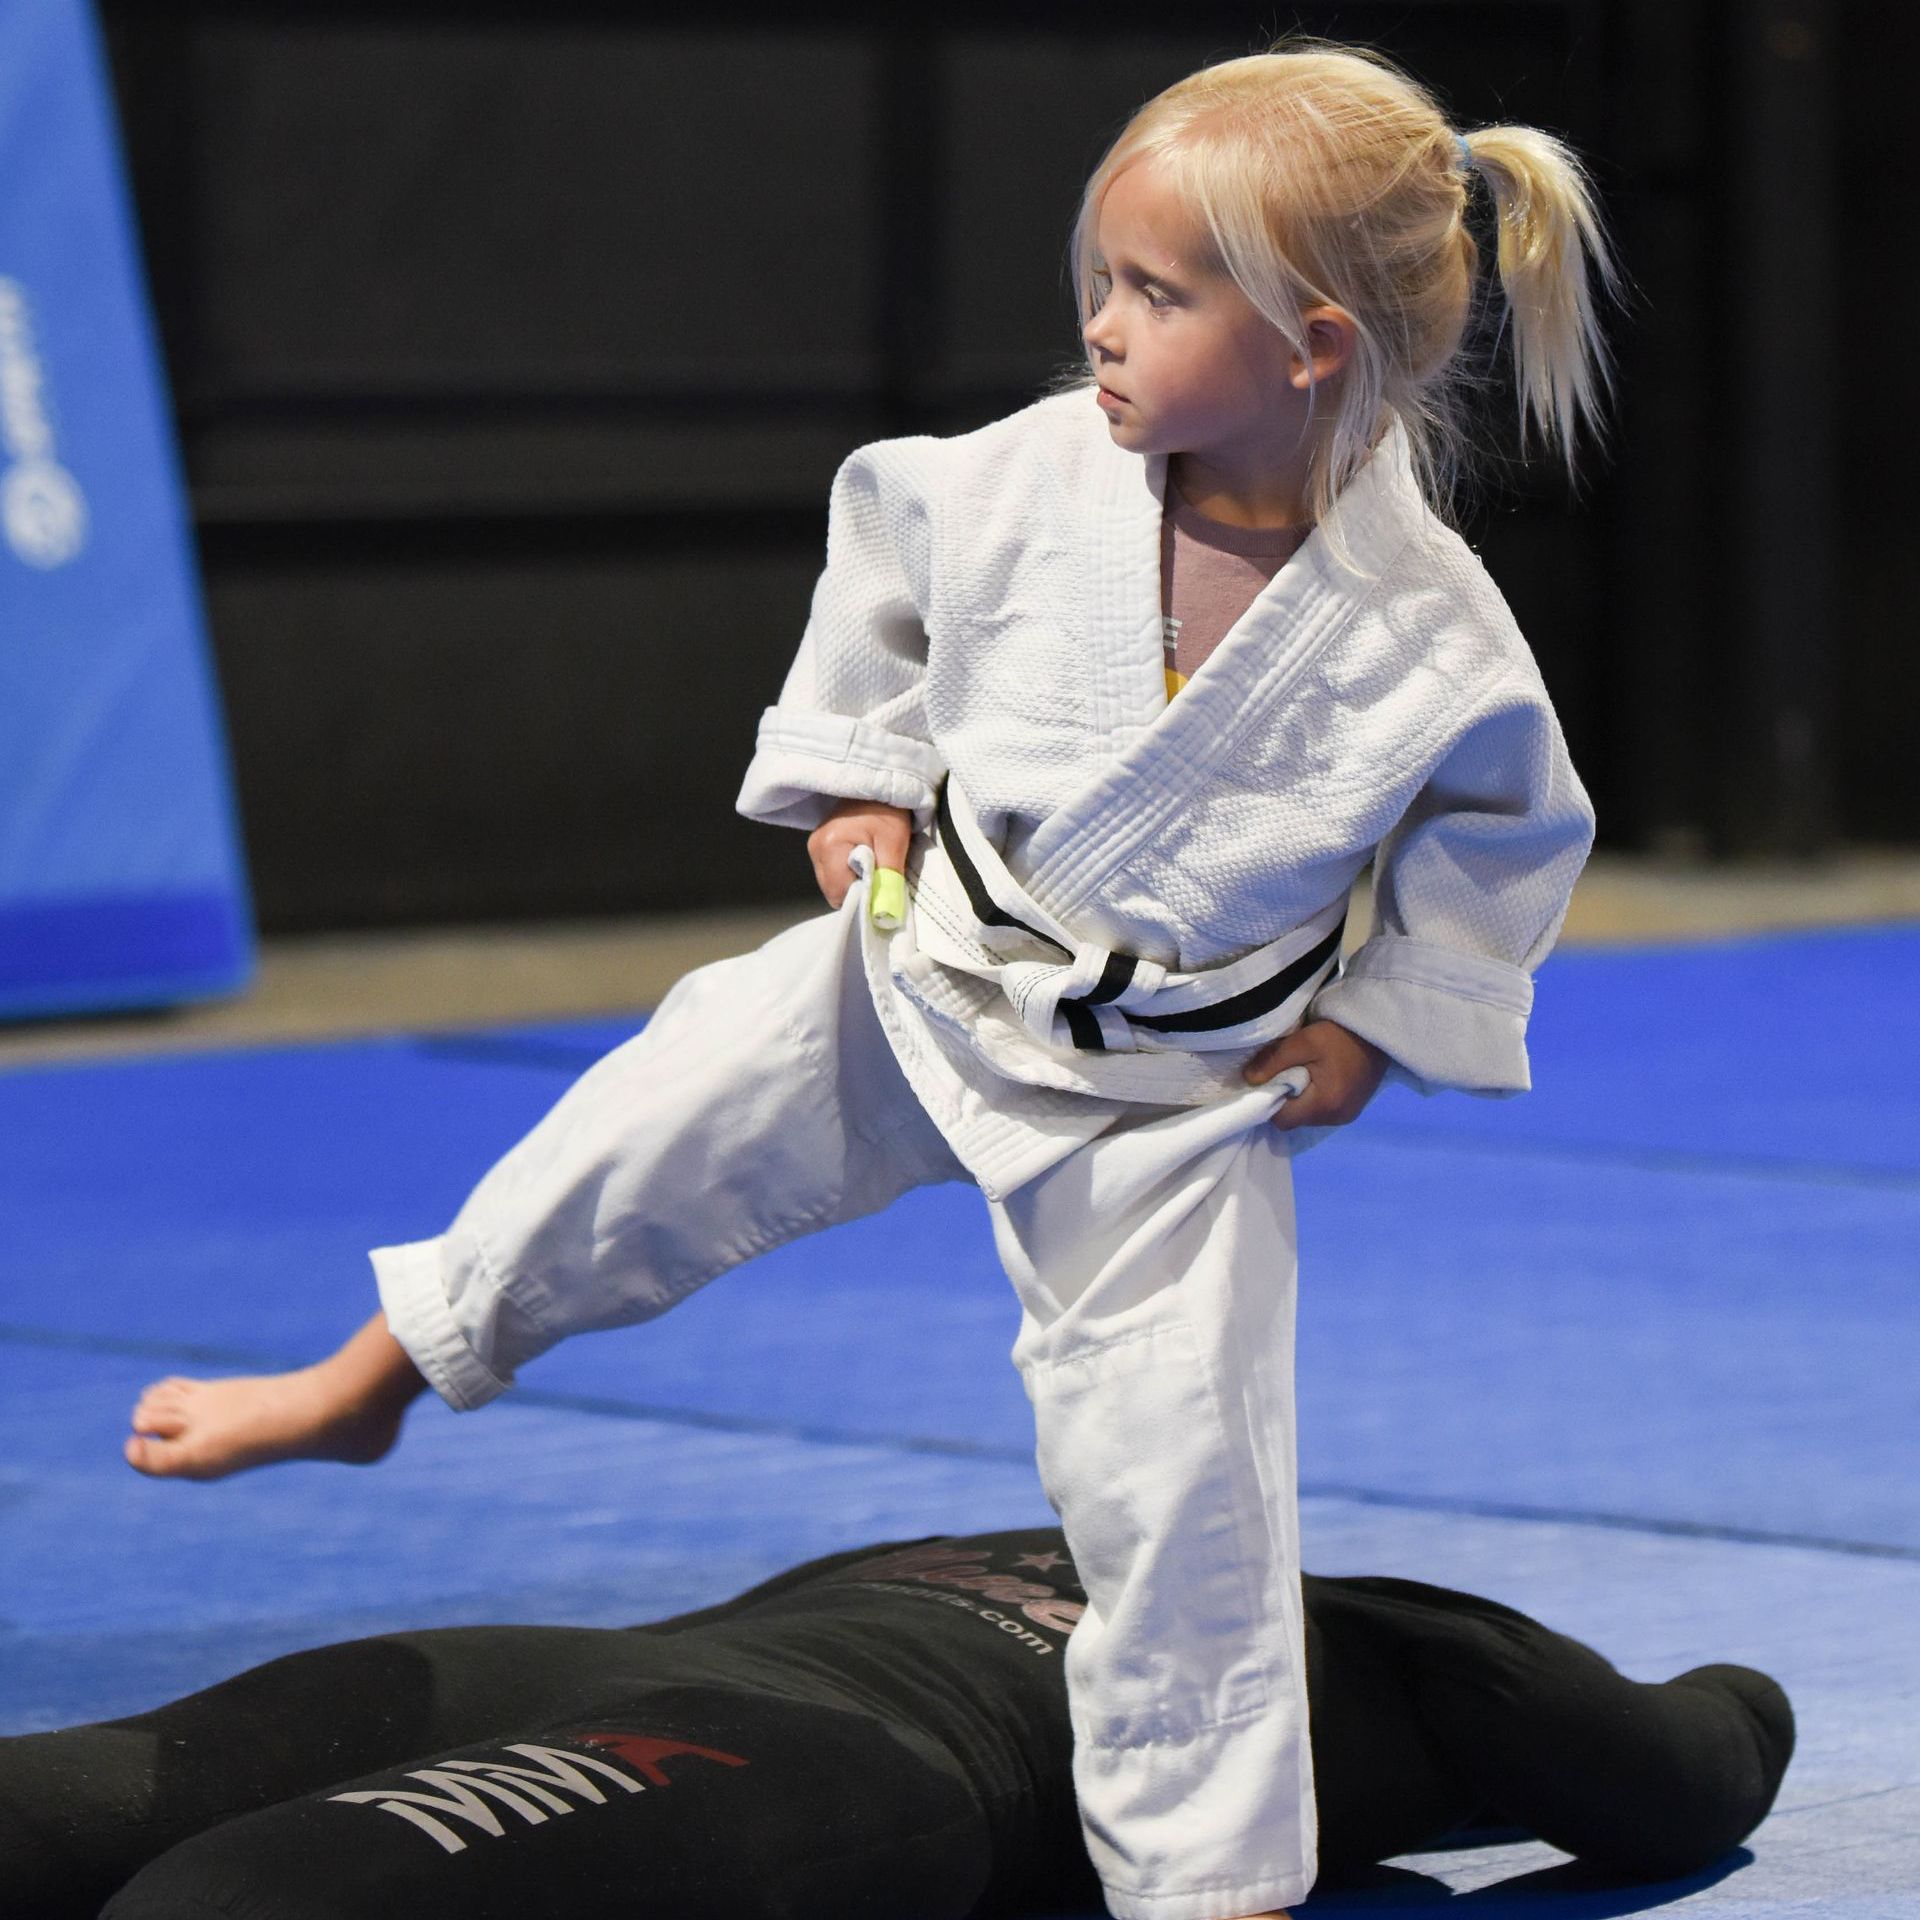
[(42, 510)]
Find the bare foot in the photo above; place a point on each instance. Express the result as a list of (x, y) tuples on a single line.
[(349, 1407), (207, 1429)]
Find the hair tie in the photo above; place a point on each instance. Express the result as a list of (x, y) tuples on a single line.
[(1466, 152)]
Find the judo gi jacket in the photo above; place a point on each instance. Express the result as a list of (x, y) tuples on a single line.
[(990, 613)]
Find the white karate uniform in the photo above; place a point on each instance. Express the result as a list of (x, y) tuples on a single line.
[(990, 618)]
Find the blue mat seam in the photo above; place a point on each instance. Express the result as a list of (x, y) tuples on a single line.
[(597, 1407)]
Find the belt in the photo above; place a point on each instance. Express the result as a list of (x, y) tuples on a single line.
[(971, 913)]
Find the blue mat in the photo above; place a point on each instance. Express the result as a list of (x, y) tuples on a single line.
[(1633, 1353)]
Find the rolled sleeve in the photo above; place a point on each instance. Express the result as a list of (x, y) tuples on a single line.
[(1446, 1019), (805, 760), (1470, 890), (850, 722)]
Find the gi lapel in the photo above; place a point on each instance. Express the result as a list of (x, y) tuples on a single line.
[(1120, 533), (1155, 767)]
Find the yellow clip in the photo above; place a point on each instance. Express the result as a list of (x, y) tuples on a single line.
[(887, 899)]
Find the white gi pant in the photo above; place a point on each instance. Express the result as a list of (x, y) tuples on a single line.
[(1155, 1272)]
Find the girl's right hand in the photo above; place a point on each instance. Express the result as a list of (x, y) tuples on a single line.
[(857, 823)]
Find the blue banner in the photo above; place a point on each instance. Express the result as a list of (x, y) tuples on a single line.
[(121, 877)]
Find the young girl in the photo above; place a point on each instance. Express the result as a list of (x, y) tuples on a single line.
[(1117, 998)]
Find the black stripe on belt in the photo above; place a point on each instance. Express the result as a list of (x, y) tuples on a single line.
[(1083, 1027), (1115, 978), (1251, 1004), (986, 909)]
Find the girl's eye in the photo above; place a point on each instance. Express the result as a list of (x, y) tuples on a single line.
[(1100, 286)]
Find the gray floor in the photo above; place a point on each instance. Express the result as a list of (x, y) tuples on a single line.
[(438, 979)]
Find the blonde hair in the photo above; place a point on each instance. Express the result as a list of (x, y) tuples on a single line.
[(1326, 176)]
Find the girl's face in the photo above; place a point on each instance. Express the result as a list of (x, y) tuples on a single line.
[(1185, 362)]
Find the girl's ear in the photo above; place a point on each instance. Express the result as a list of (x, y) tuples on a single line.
[(1331, 337)]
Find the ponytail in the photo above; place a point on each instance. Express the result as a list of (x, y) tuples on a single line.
[(1549, 231)]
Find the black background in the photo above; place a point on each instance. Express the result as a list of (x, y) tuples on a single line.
[(514, 348)]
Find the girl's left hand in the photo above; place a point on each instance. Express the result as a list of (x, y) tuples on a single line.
[(1343, 1073)]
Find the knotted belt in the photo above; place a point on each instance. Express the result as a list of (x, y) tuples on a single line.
[(970, 913)]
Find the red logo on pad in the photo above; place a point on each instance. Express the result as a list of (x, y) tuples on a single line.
[(644, 1753)]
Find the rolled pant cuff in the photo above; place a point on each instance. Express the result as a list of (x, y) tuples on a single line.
[(1210, 1903), (418, 1317), (1215, 1826)]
